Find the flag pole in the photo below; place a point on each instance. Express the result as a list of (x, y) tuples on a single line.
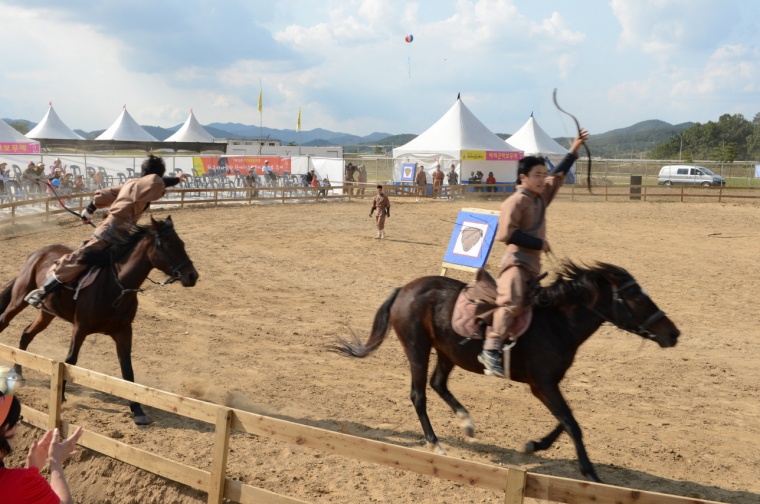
[(298, 126), (261, 116)]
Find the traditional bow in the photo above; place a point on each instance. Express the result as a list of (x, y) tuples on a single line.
[(578, 126), (63, 205)]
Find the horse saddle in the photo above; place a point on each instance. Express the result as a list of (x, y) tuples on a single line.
[(82, 281), (475, 307)]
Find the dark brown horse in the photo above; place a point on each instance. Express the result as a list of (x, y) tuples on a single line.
[(566, 313), (109, 304)]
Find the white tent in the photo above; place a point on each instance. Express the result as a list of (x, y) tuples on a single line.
[(13, 142), (534, 141), (52, 127), (191, 131), (459, 138), (126, 129)]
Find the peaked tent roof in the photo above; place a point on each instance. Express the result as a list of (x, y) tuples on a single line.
[(191, 131), (532, 140), (456, 131), (126, 129), (51, 126), (16, 142)]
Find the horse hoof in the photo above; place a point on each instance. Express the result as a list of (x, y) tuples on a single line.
[(530, 447), (437, 448), (142, 419)]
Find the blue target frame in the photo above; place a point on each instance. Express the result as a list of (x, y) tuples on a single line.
[(472, 239)]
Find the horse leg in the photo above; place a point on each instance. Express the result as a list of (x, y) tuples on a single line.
[(78, 335), (123, 341), (40, 324), (419, 359), (552, 398), (439, 383)]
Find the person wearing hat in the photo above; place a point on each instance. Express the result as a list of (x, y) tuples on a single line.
[(26, 484), (437, 181), (126, 205)]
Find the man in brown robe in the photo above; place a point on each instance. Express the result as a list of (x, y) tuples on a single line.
[(522, 226), (127, 203), (382, 204)]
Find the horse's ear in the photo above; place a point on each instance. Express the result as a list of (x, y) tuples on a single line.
[(154, 222), (169, 220)]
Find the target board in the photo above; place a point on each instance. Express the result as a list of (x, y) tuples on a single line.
[(471, 240)]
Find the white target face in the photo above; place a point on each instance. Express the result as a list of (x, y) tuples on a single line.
[(470, 240)]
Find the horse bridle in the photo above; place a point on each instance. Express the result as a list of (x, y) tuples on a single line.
[(175, 275), (617, 301)]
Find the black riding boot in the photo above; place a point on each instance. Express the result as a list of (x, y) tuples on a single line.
[(36, 297)]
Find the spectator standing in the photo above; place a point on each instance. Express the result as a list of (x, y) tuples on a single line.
[(382, 204), (453, 179), (362, 179), (251, 180), (57, 166), (348, 178), (437, 181), (325, 186), (421, 180), (30, 175), (26, 484)]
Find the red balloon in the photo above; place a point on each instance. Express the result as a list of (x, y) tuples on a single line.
[(409, 38)]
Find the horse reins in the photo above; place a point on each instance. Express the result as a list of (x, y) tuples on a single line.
[(617, 299)]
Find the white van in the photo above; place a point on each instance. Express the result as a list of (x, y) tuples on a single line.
[(689, 175)]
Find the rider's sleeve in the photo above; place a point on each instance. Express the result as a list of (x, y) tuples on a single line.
[(564, 166), (104, 197)]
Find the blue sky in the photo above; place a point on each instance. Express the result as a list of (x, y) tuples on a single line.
[(347, 66)]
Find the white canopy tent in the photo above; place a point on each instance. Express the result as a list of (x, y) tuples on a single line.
[(459, 138), (125, 128), (191, 131), (13, 142), (51, 126), (534, 141)]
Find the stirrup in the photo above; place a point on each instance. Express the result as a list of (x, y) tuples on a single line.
[(491, 365), (36, 297)]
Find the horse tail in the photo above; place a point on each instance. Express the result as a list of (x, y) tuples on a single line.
[(380, 327), (5, 296)]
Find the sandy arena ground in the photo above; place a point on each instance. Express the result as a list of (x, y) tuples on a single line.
[(279, 282)]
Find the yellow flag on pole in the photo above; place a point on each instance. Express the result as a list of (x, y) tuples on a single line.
[(261, 98), (298, 122)]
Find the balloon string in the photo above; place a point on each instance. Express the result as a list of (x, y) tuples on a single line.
[(409, 63)]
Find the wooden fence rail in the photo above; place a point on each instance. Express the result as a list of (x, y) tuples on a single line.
[(10, 213), (218, 196), (515, 484)]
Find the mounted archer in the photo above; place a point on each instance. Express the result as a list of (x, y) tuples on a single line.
[(127, 203), (522, 227)]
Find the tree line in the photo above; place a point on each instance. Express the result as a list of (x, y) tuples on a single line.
[(729, 139)]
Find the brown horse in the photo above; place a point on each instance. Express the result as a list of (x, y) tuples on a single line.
[(566, 313), (109, 304)]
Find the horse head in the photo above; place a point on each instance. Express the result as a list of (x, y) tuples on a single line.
[(632, 309), (169, 255)]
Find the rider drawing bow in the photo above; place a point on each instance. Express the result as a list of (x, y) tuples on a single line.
[(522, 226), (126, 205)]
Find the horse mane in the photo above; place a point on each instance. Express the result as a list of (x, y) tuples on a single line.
[(120, 246), (576, 284)]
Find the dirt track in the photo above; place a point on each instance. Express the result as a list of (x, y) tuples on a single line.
[(279, 282)]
